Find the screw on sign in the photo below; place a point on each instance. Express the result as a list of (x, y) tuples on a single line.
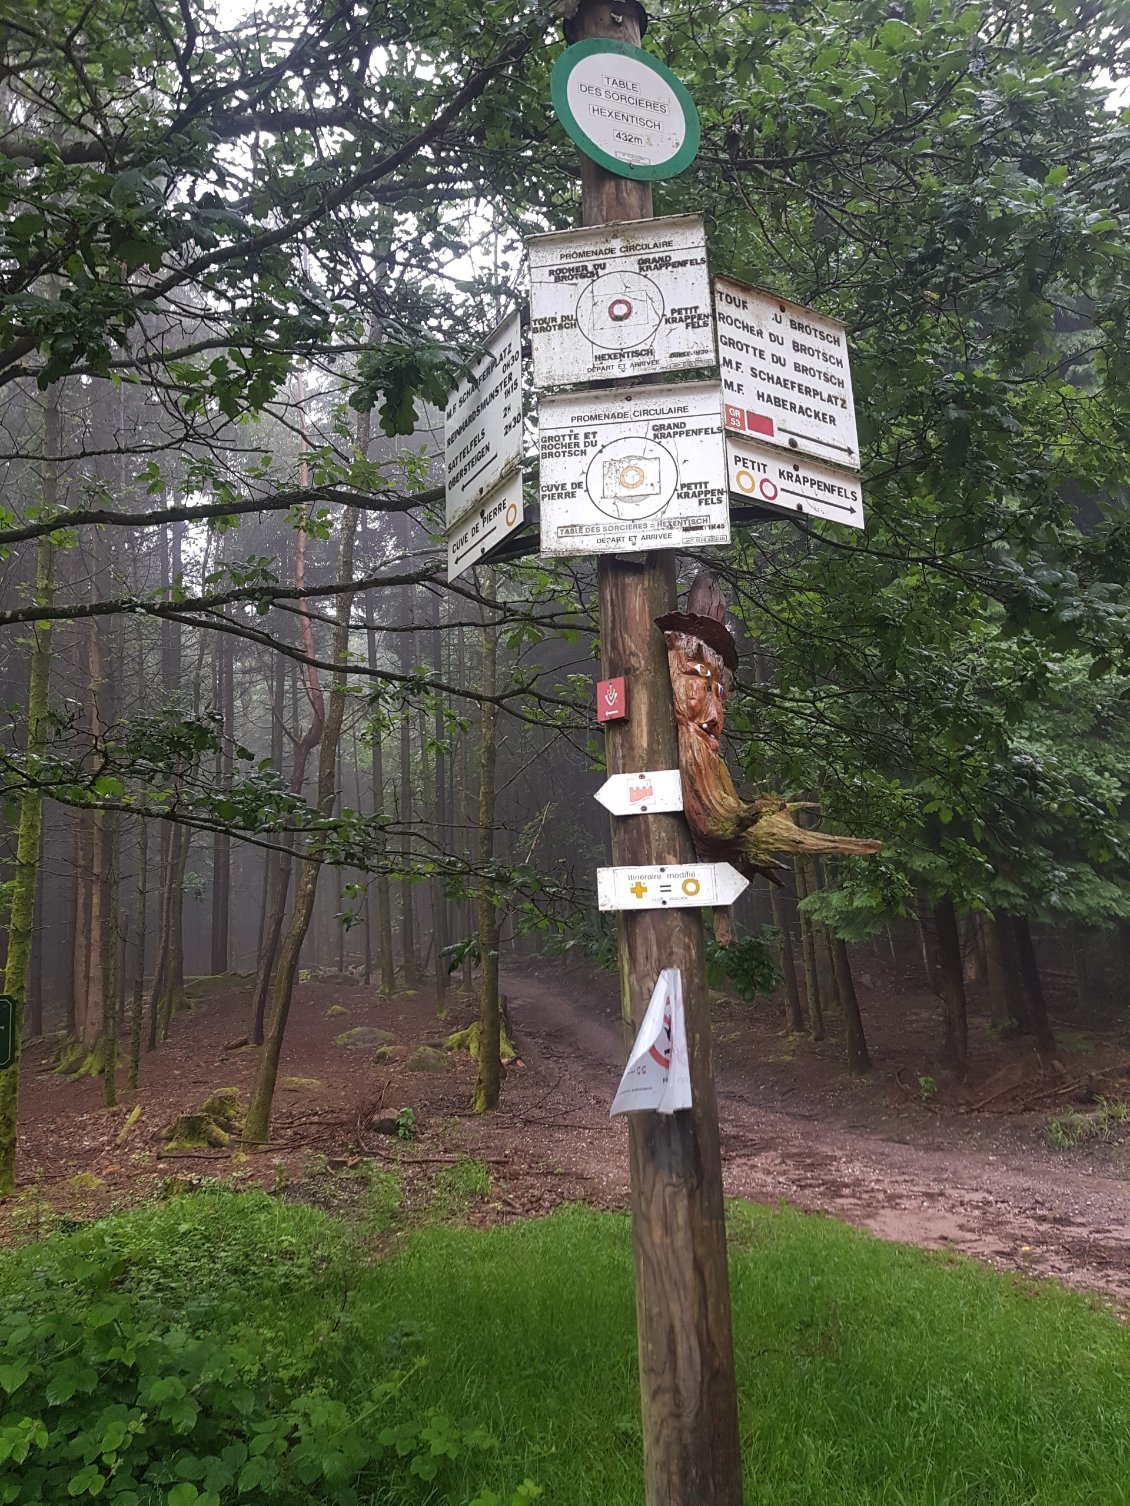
[(611, 700)]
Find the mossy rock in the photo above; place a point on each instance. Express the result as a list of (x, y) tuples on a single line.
[(297, 1083), (386, 1054), (224, 1107), (195, 1132), (335, 1012), (428, 1059), (218, 1118), (84, 1181), (364, 1038)]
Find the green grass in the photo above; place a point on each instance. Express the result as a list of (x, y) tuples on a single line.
[(457, 1187), (1072, 1127), (868, 1373)]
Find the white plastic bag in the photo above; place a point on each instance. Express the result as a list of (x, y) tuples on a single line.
[(658, 1074)]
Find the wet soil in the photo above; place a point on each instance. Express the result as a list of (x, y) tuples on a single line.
[(908, 1152)]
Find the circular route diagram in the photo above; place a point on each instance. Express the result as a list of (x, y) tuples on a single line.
[(620, 311), (632, 478)]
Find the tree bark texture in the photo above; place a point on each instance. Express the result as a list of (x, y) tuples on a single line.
[(377, 779), (794, 1017), (465, 796), (221, 841), (1031, 985), (1001, 977), (949, 981), (858, 1060), (258, 1122), (808, 952), (441, 835), (21, 910), (683, 1302), (407, 888), (487, 1085), (135, 1008), (272, 932)]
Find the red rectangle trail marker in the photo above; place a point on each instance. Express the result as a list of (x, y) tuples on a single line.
[(611, 700)]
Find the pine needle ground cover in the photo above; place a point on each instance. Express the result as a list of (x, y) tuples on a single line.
[(221, 1348)]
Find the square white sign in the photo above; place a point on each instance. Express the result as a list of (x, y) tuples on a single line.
[(620, 301), (633, 469)]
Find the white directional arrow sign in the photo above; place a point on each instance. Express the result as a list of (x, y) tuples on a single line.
[(686, 887), (638, 794)]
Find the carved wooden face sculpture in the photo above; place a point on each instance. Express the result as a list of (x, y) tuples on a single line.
[(701, 658), (699, 681)]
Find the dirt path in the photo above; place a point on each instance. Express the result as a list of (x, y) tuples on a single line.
[(794, 1125), (989, 1188)]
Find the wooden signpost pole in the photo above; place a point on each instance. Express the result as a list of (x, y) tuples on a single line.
[(689, 1395)]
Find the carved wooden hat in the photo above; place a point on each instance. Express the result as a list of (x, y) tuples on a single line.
[(704, 619)]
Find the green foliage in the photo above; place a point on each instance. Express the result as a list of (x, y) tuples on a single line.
[(952, 679), (927, 1088), (406, 1124), (400, 375), (911, 1377), (525, 1493), (749, 964), (593, 935), (115, 1386)]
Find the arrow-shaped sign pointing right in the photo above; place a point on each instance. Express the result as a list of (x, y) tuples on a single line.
[(690, 886)]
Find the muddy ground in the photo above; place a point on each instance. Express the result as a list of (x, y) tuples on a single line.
[(907, 1152)]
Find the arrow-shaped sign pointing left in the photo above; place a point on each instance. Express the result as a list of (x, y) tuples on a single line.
[(641, 794)]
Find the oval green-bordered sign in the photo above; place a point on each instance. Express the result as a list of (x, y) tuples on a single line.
[(625, 109)]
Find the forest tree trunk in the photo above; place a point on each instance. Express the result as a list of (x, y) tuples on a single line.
[(173, 999), (33, 1025), (1001, 983), (487, 1086), (135, 1007), (439, 822), (808, 952), (464, 809), (221, 841), (1029, 973), (794, 1017), (950, 983), (21, 909), (858, 1060), (407, 888), (269, 949), (258, 1122), (377, 772)]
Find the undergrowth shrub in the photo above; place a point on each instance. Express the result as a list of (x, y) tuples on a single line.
[(749, 964), (168, 1358)]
